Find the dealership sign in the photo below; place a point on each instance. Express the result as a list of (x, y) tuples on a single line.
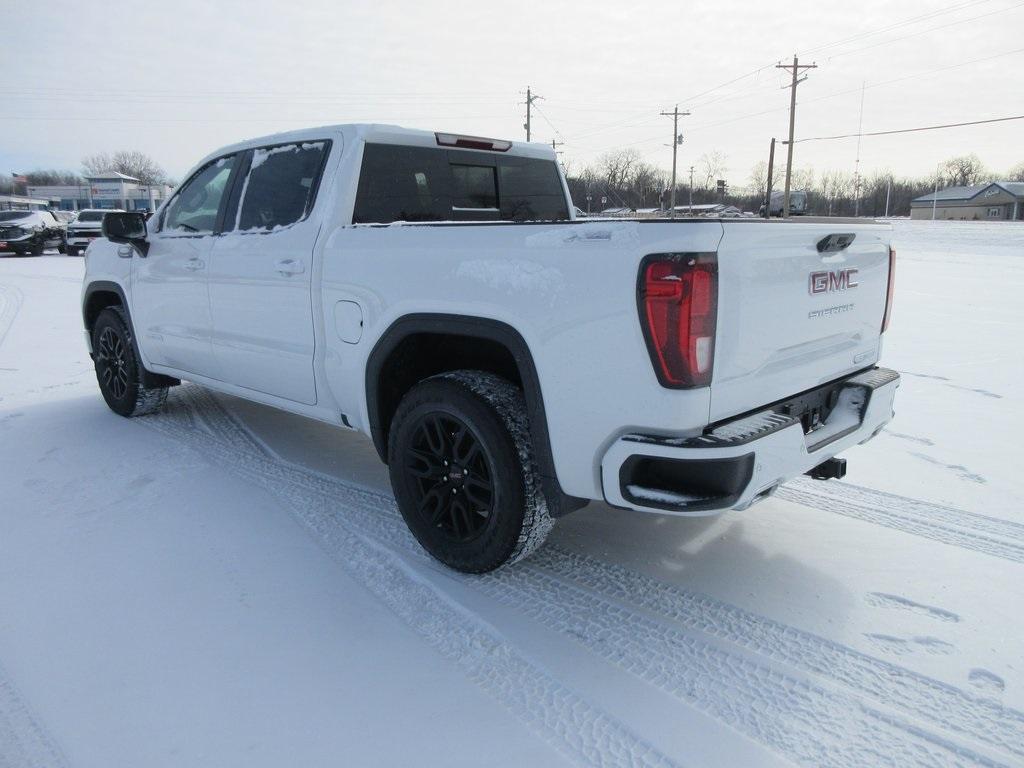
[(106, 190)]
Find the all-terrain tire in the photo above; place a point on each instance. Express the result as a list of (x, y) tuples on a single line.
[(118, 369), (454, 435)]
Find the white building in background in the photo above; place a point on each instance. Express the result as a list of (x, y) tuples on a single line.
[(104, 190)]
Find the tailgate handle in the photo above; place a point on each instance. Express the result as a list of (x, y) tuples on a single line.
[(837, 241)]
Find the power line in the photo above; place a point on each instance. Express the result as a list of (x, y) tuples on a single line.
[(895, 25), (750, 115), (925, 31), (551, 125), (910, 130)]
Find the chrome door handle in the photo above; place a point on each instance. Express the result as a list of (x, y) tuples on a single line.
[(125, 251), (194, 264), (289, 267)]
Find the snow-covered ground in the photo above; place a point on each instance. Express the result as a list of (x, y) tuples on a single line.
[(225, 585)]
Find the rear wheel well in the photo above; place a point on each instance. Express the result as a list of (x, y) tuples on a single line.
[(419, 346), (419, 356)]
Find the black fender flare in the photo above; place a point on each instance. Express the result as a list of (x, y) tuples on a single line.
[(149, 379), (481, 328)]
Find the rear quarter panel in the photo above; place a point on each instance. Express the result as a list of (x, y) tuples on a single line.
[(569, 289)]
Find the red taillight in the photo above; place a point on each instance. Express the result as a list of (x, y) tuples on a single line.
[(889, 289), (679, 311)]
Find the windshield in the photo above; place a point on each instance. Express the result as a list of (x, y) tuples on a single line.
[(91, 216), (14, 215)]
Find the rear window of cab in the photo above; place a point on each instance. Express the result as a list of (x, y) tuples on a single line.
[(399, 183)]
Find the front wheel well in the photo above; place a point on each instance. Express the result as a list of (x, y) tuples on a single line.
[(96, 302)]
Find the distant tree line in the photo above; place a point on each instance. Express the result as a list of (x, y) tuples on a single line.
[(129, 162), (623, 179)]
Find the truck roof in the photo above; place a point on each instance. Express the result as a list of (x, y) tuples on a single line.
[(381, 133)]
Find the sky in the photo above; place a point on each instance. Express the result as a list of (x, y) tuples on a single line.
[(179, 79)]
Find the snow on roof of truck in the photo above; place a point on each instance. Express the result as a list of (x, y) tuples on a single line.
[(381, 133)]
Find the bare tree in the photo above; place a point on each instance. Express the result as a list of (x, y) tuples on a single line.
[(616, 167), (835, 185), (802, 178), (129, 162), (963, 171), (758, 180), (47, 178), (712, 168), (1016, 173), (646, 182)]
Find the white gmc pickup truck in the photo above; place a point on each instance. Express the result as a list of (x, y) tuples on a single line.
[(509, 362)]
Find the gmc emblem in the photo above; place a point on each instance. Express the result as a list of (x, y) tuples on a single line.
[(826, 282)]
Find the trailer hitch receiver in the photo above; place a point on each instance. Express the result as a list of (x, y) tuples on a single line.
[(832, 469)]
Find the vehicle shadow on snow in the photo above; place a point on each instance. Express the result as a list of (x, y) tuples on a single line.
[(716, 554), (720, 555)]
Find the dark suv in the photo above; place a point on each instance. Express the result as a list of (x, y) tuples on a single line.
[(31, 232)]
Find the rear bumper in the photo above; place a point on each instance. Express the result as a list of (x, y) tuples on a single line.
[(744, 460)]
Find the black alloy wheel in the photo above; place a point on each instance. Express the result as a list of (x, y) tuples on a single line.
[(112, 364), (452, 476), (463, 472)]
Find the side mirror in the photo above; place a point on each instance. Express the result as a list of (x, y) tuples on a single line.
[(128, 228)]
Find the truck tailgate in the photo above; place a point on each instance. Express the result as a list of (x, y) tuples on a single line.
[(791, 317)]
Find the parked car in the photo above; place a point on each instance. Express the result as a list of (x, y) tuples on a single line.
[(30, 232), (509, 362), (85, 228)]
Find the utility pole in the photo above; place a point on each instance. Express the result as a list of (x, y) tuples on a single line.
[(795, 68), (530, 98), (677, 139), (691, 191), (768, 185), (888, 189), (856, 164)]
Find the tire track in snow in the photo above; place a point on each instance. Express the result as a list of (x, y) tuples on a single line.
[(933, 523), (797, 718), (605, 598), (24, 742), (856, 494), (11, 299), (353, 537), (944, 705)]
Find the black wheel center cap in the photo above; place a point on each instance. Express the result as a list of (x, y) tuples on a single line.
[(456, 475)]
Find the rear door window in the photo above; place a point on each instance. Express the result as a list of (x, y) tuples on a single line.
[(402, 184), (280, 186)]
